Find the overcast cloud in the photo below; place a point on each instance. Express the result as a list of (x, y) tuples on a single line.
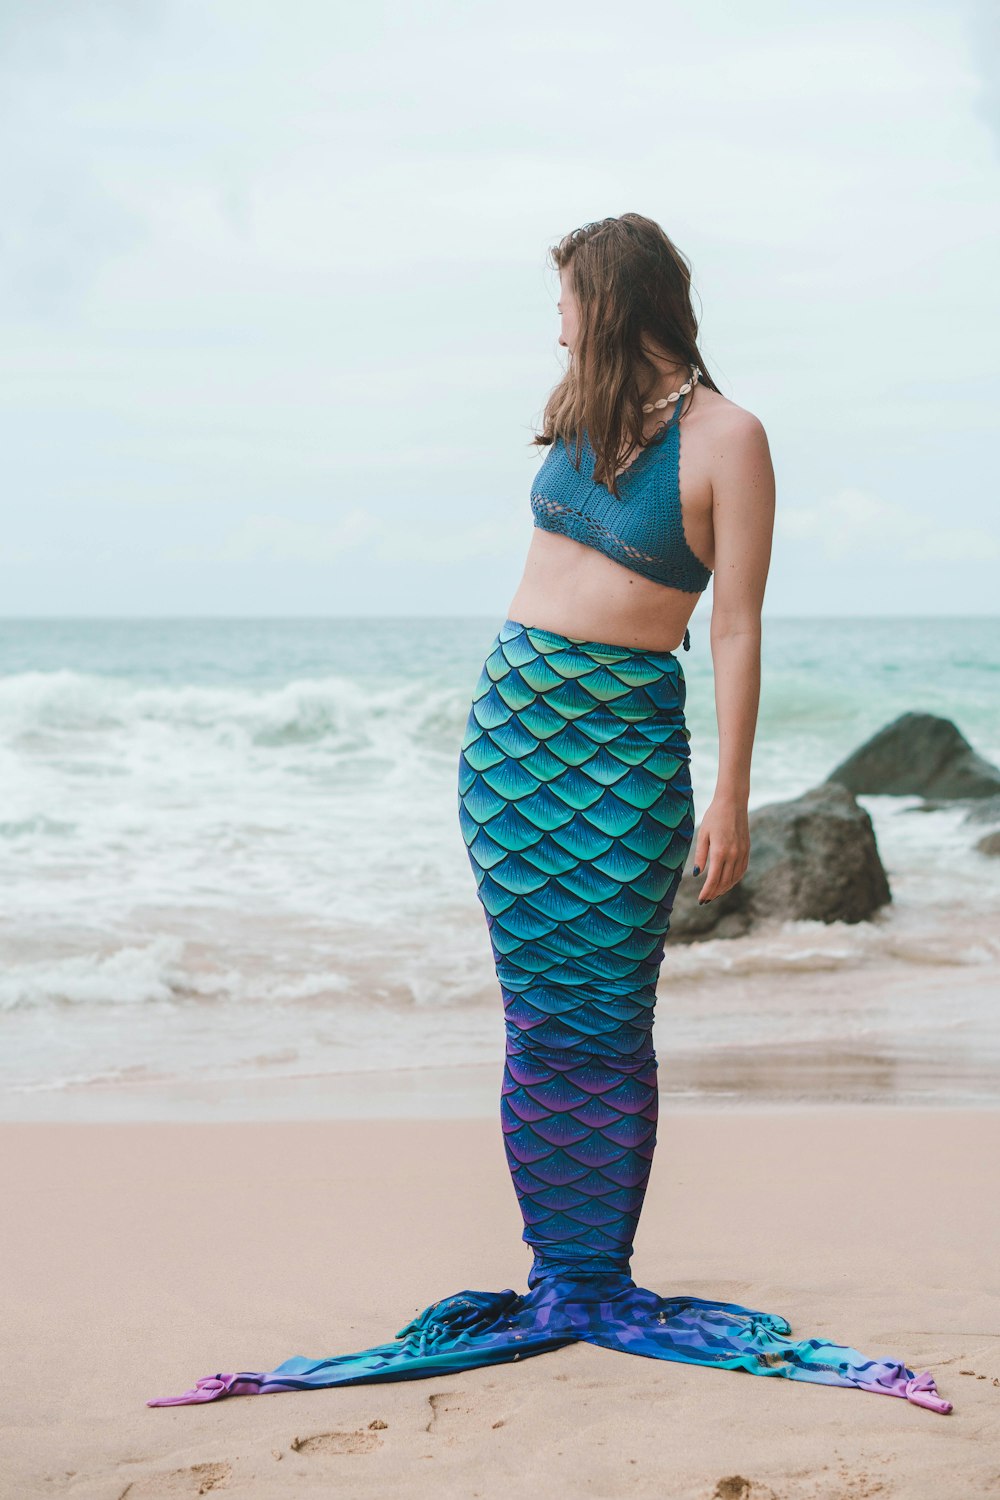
[(277, 324)]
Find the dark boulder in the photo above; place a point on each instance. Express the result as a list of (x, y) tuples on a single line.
[(918, 754), (811, 858)]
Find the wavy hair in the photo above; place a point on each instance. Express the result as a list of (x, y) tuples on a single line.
[(631, 283)]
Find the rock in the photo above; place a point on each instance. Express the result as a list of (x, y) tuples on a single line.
[(989, 843), (813, 857), (983, 810), (727, 916), (918, 754)]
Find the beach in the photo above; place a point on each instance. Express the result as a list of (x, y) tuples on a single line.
[(141, 1256)]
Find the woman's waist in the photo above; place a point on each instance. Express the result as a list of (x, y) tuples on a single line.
[(579, 593)]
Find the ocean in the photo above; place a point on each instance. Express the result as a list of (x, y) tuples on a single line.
[(230, 855)]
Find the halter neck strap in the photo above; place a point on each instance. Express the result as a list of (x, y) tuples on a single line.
[(675, 414)]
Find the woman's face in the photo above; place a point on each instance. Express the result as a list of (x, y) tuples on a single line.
[(569, 310)]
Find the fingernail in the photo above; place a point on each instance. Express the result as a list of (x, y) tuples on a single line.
[(696, 870)]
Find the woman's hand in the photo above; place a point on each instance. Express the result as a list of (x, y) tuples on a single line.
[(722, 848)]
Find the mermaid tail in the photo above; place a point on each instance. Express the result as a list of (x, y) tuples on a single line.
[(575, 804)]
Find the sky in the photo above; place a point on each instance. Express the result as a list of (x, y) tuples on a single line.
[(277, 319)]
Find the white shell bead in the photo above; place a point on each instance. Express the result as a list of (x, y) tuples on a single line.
[(674, 395)]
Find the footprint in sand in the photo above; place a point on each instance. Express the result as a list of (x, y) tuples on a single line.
[(733, 1487), (736, 1487), (448, 1411), (200, 1479), (362, 1441)]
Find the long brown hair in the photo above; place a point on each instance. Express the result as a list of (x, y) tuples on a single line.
[(631, 282)]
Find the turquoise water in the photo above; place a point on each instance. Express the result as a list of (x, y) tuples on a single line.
[(230, 848)]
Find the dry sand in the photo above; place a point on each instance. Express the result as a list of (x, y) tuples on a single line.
[(138, 1257)]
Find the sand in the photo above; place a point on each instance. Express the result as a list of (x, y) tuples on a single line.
[(137, 1257)]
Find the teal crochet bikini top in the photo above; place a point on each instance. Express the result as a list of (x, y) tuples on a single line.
[(644, 530)]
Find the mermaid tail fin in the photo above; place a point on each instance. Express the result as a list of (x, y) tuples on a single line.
[(472, 1329), (695, 1331), (461, 1332)]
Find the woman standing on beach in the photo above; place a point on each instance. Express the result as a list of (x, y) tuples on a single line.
[(576, 806)]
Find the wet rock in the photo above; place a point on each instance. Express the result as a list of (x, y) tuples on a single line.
[(918, 754), (983, 810), (813, 857), (989, 843)]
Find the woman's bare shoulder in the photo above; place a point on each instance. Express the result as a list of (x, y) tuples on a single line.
[(735, 457), (724, 419)]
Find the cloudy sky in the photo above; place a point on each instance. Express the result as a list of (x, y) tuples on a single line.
[(277, 323)]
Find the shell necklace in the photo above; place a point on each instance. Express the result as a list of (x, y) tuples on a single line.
[(659, 405), (674, 395)]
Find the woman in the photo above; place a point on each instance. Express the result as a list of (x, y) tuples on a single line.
[(575, 803)]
